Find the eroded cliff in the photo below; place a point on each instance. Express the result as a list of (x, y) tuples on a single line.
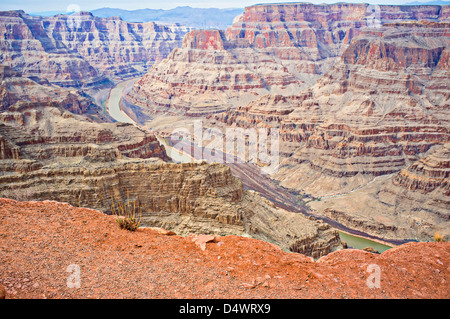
[(379, 111), (51, 154), (81, 50)]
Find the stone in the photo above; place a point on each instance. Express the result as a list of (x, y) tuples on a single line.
[(270, 48), (20, 94), (164, 232), (371, 250), (64, 156), (367, 157)]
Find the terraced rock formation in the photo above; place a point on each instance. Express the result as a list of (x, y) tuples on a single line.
[(413, 203), (361, 118), (47, 153), (277, 49), (81, 50), (379, 110), (19, 94)]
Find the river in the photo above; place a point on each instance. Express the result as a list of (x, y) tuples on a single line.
[(113, 103), (245, 172)]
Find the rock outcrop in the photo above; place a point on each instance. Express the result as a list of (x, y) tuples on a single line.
[(277, 49), (379, 103), (380, 109), (412, 203), (19, 94), (208, 74), (428, 174), (362, 117), (43, 134), (51, 154), (2, 292), (81, 50)]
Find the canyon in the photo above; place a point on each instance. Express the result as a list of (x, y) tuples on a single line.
[(371, 115), (269, 49), (359, 96), (48, 153), (352, 129), (57, 143), (82, 50)]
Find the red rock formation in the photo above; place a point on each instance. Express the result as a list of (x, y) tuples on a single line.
[(204, 40), (382, 107), (368, 114), (49, 153), (428, 174)]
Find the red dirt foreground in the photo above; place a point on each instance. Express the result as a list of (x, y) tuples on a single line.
[(54, 250)]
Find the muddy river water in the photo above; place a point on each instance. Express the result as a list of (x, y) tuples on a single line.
[(113, 107)]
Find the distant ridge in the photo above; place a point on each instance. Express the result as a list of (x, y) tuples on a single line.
[(430, 3), (199, 18)]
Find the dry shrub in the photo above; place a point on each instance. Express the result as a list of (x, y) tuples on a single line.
[(129, 213)]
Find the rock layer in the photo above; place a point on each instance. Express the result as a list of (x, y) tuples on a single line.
[(21, 94), (279, 48), (50, 154), (162, 266), (81, 50), (412, 203), (379, 110)]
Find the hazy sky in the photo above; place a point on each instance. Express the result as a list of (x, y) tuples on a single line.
[(87, 5)]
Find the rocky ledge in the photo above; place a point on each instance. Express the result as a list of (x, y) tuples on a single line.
[(47, 153), (153, 263)]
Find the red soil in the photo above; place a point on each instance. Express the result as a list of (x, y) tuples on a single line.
[(39, 240)]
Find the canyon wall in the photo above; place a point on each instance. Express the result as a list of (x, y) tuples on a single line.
[(412, 203), (40, 239), (19, 93), (276, 49), (380, 108), (359, 94), (47, 153), (81, 50)]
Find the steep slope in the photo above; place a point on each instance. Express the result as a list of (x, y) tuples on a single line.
[(119, 264), (279, 48), (381, 108), (49, 153), (375, 111), (81, 50)]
